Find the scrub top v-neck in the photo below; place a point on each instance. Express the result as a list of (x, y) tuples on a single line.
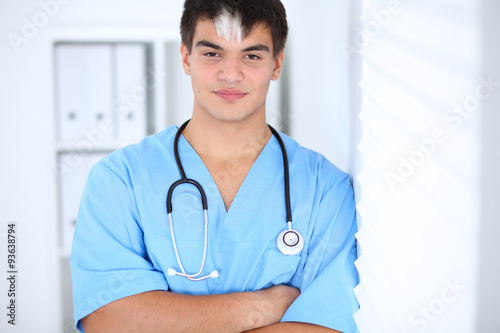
[(233, 235)]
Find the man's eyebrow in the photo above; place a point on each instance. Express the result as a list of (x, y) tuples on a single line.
[(206, 43), (258, 47)]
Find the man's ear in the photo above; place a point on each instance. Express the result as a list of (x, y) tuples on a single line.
[(185, 59), (278, 65)]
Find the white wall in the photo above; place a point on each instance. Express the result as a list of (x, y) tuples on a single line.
[(26, 176), (318, 83)]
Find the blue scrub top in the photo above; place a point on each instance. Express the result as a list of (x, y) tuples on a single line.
[(122, 243)]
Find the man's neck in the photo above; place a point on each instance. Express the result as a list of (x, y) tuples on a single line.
[(228, 149), (227, 140)]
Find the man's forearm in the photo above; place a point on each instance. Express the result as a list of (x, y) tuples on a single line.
[(162, 311), (291, 327)]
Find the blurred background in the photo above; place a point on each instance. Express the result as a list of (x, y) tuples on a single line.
[(402, 94)]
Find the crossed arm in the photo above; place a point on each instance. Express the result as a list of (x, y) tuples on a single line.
[(162, 311)]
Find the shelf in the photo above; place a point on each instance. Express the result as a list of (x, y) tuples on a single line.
[(78, 147)]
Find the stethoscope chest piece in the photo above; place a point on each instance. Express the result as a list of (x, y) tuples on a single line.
[(290, 242)]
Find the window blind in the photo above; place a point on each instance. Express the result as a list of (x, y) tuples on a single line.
[(416, 174)]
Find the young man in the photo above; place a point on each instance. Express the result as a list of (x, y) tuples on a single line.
[(132, 272)]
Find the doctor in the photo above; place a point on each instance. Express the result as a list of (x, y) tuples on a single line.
[(220, 264)]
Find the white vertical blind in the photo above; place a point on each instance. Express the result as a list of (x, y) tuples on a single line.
[(488, 291), (417, 169)]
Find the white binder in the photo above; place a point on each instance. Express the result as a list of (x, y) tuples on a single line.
[(132, 92), (97, 92), (69, 77), (72, 182), (84, 92)]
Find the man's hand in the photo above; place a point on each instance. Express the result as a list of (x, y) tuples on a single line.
[(274, 302)]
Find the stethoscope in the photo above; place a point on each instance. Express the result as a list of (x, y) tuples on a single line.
[(289, 242)]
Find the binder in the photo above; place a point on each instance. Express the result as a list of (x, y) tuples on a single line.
[(69, 99), (97, 90), (83, 92), (72, 182), (132, 90)]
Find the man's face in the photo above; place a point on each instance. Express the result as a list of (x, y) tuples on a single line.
[(230, 78)]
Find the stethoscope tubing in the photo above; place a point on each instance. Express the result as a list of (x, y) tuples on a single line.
[(186, 181), (204, 202), (286, 172), (191, 277)]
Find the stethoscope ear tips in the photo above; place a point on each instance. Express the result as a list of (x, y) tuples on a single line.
[(213, 274)]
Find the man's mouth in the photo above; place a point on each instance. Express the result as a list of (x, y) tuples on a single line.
[(230, 94)]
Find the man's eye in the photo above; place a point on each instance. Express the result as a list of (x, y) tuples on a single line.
[(253, 57), (211, 54)]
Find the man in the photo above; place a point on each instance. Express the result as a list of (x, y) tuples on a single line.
[(127, 266)]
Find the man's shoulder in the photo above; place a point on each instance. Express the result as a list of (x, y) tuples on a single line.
[(155, 143), (144, 153), (316, 164)]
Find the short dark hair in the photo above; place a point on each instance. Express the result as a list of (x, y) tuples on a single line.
[(270, 12)]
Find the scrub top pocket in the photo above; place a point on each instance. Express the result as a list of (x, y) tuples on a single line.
[(276, 268)]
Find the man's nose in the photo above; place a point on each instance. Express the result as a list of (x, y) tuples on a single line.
[(231, 70)]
